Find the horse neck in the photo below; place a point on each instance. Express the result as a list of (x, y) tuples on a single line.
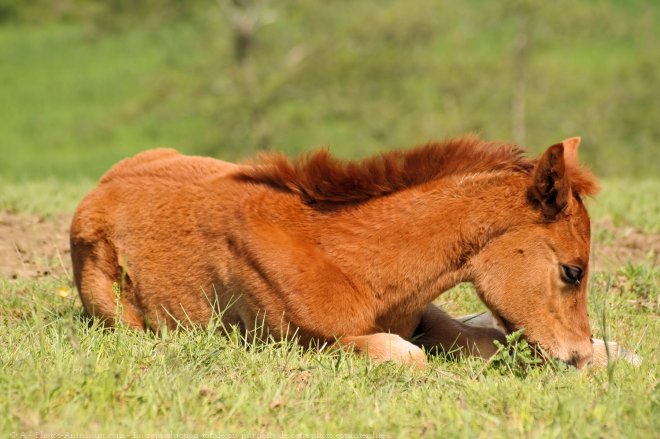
[(412, 245)]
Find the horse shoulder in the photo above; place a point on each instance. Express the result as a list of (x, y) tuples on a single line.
[(281, 263)]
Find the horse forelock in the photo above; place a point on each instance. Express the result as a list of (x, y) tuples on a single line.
[(318, 177)]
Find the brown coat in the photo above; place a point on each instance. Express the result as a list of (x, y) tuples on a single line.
[(353, 252)]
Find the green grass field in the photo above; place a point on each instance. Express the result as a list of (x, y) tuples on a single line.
[(62, 373), (81, 90)]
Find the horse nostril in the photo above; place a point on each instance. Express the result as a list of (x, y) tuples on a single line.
[(580, 361)]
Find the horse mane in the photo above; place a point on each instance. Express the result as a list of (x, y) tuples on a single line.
[(319, 177)]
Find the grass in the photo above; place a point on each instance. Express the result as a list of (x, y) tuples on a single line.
[(42, 197), (631, 203), (60, 372), (81, 101), (78, 99)]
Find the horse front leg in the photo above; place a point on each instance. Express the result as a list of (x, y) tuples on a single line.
[(383, 346), (438, 332)]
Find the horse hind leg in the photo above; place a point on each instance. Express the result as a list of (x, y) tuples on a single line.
[(438, 332), (104, 288)]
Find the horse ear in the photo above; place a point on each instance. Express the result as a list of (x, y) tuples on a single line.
[(551, 187), (571, 150)]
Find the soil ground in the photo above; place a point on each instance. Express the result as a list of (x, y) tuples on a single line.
[(33, 247)]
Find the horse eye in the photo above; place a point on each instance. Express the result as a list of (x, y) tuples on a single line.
[(571, 274)]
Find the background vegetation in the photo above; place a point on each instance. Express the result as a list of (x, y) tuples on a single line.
[(84, 83)]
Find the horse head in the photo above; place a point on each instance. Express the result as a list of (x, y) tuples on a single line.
[(534, 277)]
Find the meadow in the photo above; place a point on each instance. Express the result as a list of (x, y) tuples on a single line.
[(84, 87), (63, 374)]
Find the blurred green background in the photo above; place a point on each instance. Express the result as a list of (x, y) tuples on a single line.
[(84, 83)]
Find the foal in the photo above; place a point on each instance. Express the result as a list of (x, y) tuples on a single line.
[(347, 252)]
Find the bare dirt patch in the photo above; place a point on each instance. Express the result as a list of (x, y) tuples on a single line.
[(615, 246), (33, 247)]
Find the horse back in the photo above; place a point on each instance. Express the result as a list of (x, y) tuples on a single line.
[(168, 164), (134, 180)]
